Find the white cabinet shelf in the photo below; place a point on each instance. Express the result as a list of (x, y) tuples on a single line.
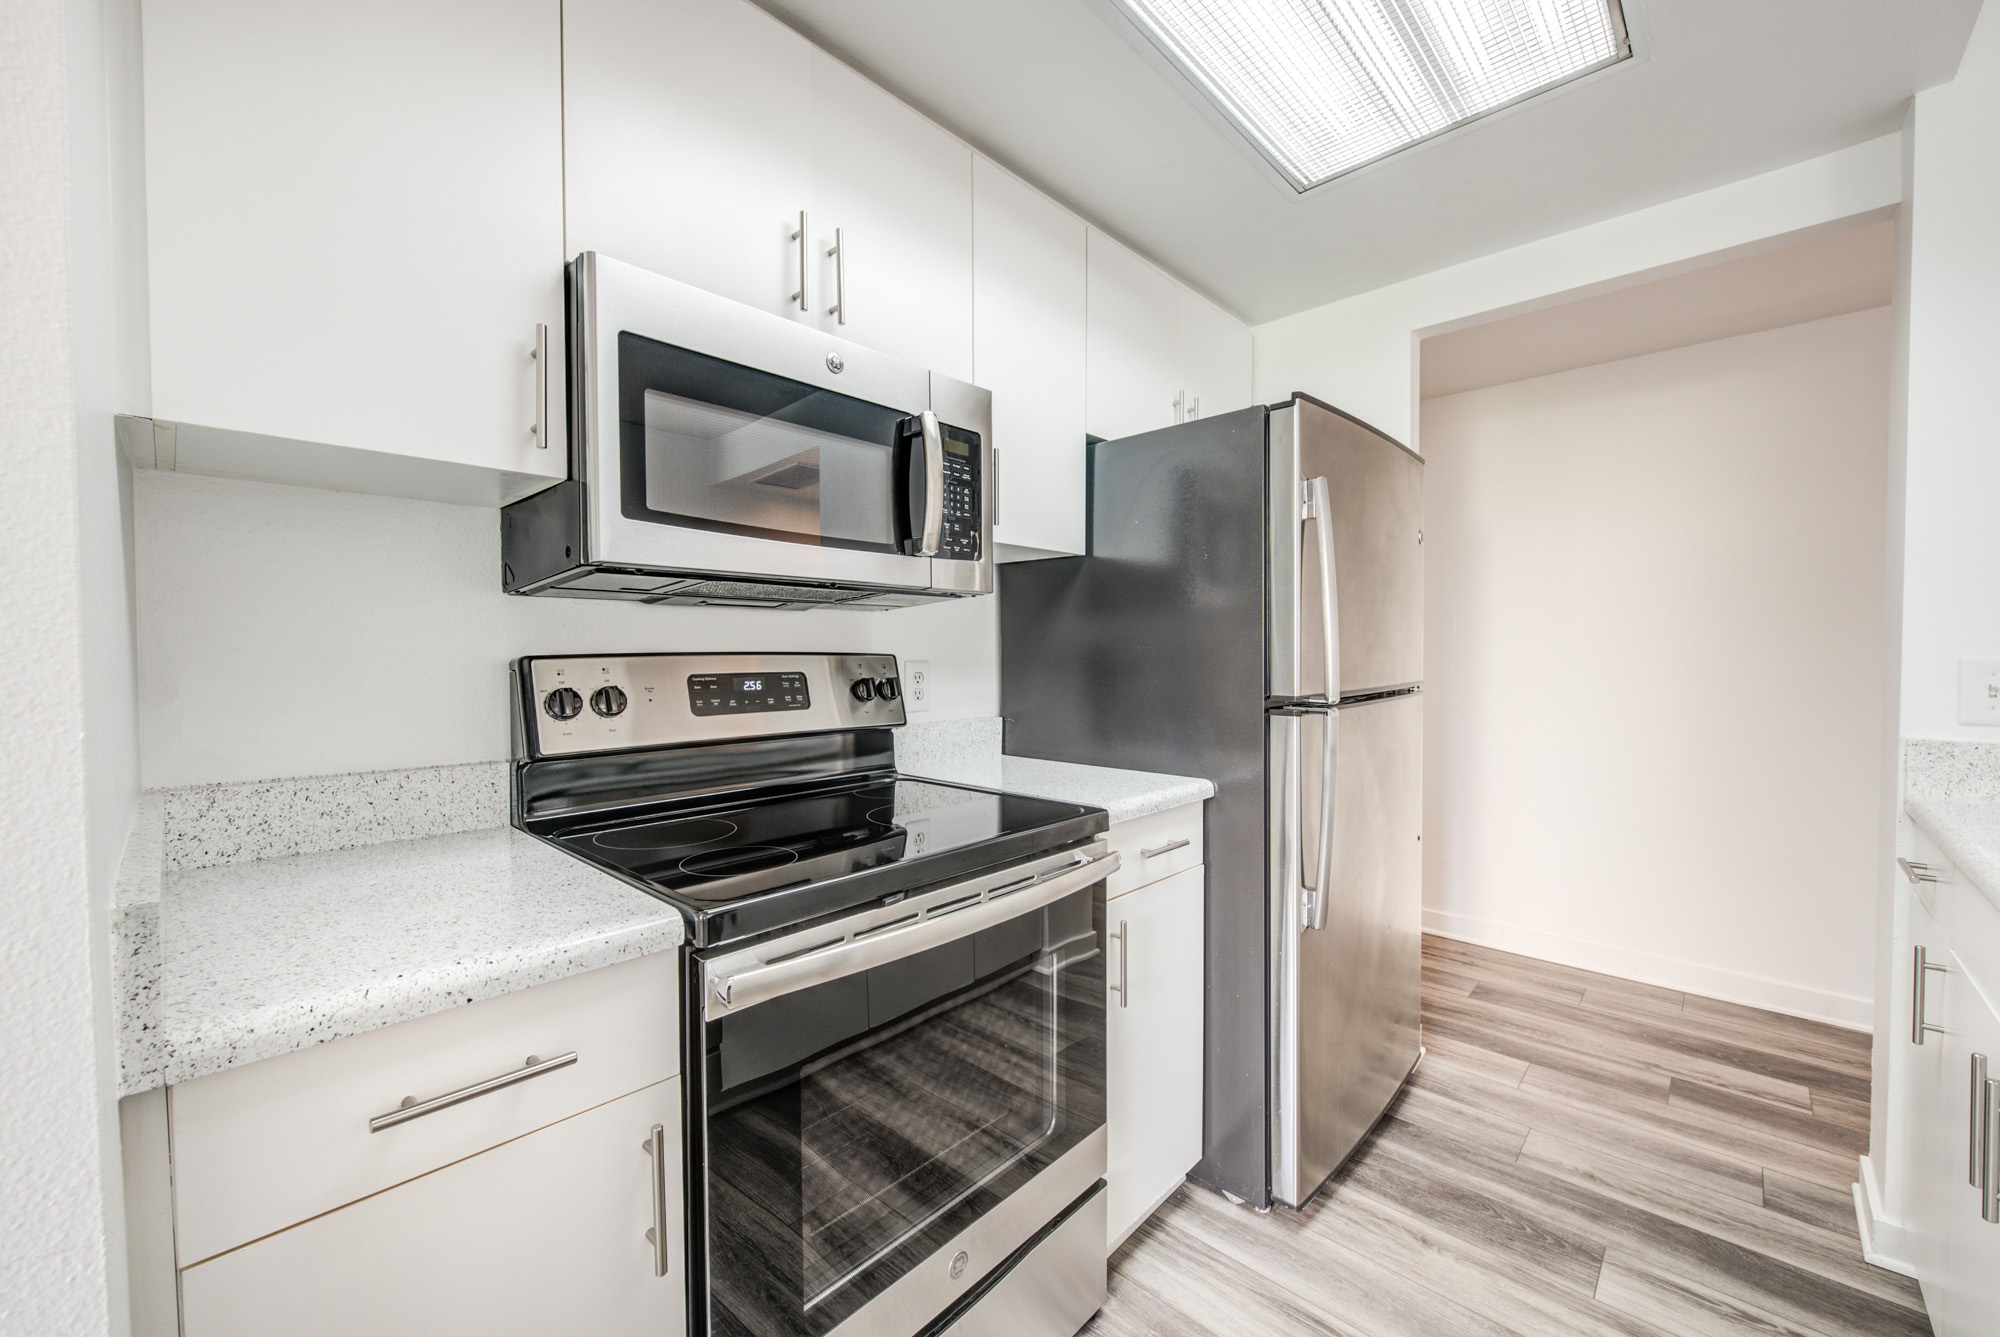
[(354, 218)]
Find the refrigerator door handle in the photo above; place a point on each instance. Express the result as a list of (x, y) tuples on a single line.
[(1318, 886), (1319, 509)]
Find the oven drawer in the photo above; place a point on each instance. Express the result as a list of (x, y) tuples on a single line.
[(267, 1145), (1157, 845)]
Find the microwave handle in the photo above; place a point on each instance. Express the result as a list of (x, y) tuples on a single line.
[(930, 533)]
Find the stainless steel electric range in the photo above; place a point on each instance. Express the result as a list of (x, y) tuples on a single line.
[(892, 997)]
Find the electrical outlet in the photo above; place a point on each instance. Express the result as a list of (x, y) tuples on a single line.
[(1979, 691), (917, 684)]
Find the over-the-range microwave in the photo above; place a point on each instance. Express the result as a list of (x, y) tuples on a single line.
[(724, 455)]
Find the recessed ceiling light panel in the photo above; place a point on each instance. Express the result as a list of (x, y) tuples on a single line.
[(1321, 87)]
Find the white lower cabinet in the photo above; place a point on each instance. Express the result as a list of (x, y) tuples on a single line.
[(1154, 977), (543, 1234), (1952, 988)]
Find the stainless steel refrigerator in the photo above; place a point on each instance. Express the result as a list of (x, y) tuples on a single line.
[(1251, 611)]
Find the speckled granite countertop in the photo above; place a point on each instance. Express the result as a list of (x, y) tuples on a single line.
[(1123, 794), (237, 961), (1968, 831)]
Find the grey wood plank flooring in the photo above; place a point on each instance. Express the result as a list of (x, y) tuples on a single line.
[(1577, 1156)]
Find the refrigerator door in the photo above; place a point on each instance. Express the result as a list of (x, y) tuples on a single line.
[(1373, 515), (1346, 994)]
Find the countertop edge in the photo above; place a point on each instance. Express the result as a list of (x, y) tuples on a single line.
[(1979, 862), (1123, 794)]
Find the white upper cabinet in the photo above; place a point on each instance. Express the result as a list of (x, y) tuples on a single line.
[(688, 130), (354, 217), (1028, 349), (1215, 358), (1134, 342), (899, 191)]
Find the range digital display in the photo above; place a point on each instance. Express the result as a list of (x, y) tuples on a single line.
[(746, 693)]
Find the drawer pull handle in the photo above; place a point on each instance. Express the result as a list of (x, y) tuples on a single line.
[(1976, 1171), (1123, 988), (1917, 872), (1167, 848), (655, 1146), (412, 1108), (1920, 968)]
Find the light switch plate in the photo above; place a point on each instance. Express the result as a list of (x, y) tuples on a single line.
[(917, 684), (1979, 691)]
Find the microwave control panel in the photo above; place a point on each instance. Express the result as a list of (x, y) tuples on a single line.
[(962, 502)]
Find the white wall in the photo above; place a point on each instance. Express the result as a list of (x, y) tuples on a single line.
[(67, 789), (294, 631), (1360, 353), (1655, 663)]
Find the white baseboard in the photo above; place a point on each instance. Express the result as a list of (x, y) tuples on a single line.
[(1882, 1240), (1668, 972)]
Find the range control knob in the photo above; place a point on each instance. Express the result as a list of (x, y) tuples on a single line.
[(564, 703), (862, 690), (887, 689), (608, 701)]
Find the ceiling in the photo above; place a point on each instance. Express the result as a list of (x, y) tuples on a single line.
[(1721, 90), (1849, 270)]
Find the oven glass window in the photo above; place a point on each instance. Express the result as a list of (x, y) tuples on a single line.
[(709, 444), (855, 1127)]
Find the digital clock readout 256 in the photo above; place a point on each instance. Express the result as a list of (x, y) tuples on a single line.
[(746, 693)]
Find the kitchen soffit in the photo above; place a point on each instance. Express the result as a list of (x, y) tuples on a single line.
[(1717, 91)]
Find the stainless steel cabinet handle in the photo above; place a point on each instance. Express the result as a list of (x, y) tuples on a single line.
[(1976, 1160), (541, 359), (1123, 987), (412, 1108), (1916, 872), (804, 246), (1989, 1188), (1194, 408), (839, 253), (1919, 1028), (933, 531), (1167, 848), (1180, 407), (655, 1146)]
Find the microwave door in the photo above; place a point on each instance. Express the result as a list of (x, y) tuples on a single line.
[(748, 457)]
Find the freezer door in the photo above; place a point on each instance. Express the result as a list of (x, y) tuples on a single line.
[(1346, 994), (1373, 512)]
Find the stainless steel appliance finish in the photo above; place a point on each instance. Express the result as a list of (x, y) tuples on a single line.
[(804, 494), (893, 994), (656, 704), (1251, 612)]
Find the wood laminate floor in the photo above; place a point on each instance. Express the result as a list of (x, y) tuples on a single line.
[(1578, 1154)]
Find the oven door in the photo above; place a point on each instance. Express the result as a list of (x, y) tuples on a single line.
[(886, 1108), (715, 439)]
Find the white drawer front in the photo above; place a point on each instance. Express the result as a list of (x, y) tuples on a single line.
[(267, 1145), (1157, 845), (546, 1234)]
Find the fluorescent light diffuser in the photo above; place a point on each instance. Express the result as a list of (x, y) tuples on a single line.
[(1321, 87)]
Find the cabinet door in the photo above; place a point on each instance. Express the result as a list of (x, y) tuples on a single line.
[(1153, 1045), (1964, 1298), (1936, 1129), (688, 132), (543, 1234), (1028, 349), (1215, 358), (354, 219), (1134, 349), (899, 189)]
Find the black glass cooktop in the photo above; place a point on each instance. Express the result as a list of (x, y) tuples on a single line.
[(754, 864)]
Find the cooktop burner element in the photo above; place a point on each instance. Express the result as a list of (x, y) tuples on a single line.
[(664, 836), (737, 860)]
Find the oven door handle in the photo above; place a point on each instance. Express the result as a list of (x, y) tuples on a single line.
[(734, 991)]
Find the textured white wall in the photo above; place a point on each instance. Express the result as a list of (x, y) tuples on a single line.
[(1361, 353), (66, 791), (1654, 674), (294, 631)]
